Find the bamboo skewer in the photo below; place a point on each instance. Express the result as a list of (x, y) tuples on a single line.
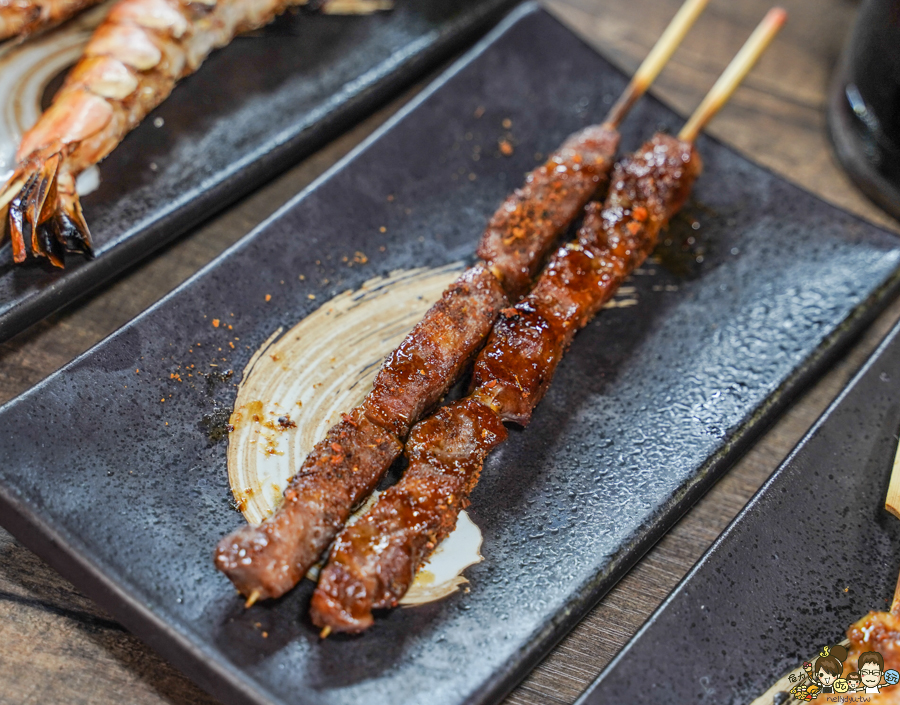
[(657, 58), (892, 501), (735, 73), (254, 596), (892, 504)]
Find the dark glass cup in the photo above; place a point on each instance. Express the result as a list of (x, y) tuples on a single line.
[(864, 107)]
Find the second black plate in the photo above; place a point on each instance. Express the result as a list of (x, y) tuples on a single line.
[(254, 107), (812, 552)]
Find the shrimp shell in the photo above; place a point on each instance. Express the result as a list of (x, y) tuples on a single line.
[(19, 18), (130, 65)]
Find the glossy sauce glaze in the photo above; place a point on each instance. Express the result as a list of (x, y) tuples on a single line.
[(416, 376), (514, 370), (374, 561), (524, 229), (382, 551), (270, 558)]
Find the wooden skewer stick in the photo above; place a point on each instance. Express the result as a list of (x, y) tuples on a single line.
[(892, 501), (735, 73), (892, 504), (657, 58), (254, 596)]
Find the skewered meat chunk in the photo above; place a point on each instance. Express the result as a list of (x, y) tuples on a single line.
[(267, 560), (271, 557), (514, 370), (416, 376), (374, 561), (528, 224), (446, 453)]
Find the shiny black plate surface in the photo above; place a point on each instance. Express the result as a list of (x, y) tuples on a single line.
[(812, 552), (126, 495), (254, 108)]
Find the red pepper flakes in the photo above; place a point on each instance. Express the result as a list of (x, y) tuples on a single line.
[(640, 213), (633, 227), (268, 297), (215, 322)]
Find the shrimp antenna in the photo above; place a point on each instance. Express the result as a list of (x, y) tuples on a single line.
[(657, 58), (735, 73)]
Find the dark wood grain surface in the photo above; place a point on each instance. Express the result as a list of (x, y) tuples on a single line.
[(57, 646)]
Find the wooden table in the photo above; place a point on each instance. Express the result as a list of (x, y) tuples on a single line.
[(56, 646)]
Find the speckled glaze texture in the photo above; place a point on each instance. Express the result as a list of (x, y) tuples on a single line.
[(253, 109), (771, 591), (647, 409)]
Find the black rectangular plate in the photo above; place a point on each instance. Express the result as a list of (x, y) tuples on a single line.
[(254, 108), (812, 552), (127, 497)]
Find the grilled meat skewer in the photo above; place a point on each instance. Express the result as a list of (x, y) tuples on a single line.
[(373, 562), (268, 559), (265, 561)]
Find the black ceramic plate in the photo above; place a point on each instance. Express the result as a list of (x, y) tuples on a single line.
[(811, 553), (126, 496), (252, 109)]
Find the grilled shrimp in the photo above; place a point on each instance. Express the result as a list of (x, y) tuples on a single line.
[(129, 66), (19, 18)]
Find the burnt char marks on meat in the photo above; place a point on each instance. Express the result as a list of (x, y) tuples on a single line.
[(527, 225), (374, 561), (514, 370), (269, 559), (416, 376), (341, 470)]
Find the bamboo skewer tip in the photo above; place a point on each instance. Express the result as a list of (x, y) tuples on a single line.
[(251, 600), (735, 73)]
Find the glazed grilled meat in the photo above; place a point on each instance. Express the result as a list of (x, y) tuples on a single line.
[(528, 224), (446, 452), (341, 469), (514, 370), (269, 559), (416, 376), (374, 561)]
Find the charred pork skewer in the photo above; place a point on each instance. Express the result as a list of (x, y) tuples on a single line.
[(267, 560), (373, 562), (524, 229)]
